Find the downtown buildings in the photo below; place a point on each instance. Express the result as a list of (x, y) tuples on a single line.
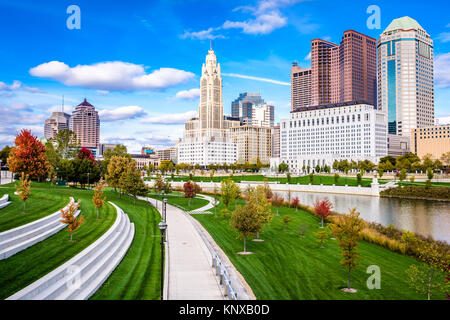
[(58, 121), (251, 109)]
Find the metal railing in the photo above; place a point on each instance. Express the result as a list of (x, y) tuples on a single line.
[(224, 279)]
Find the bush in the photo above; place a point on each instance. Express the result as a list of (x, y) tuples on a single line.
[(419, 192)]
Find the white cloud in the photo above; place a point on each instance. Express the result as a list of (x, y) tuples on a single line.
[(136, 142), (444, 37), (308, 56), (114, 75), (177, 118), (17, 85), (262, 24), (442, 69), (58, 108), (121, 113), (235, 75), (191, 94), (202, 35), (102, 92)]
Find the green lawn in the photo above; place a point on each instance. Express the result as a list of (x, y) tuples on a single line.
[(40, 204), (180, 201), (29, 265), (287, 266), (318, 179), (138, 275)]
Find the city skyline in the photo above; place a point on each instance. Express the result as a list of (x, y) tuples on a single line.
[(151, 108)]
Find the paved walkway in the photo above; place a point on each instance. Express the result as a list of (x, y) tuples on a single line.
[(191, 276)]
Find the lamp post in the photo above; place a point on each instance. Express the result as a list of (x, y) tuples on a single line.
[(0, 171), (162, 227), (162, 198), (165, 214)]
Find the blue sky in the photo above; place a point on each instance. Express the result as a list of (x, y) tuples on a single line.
[(139, 62)]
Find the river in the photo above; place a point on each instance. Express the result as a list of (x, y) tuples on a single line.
[(425, 217)]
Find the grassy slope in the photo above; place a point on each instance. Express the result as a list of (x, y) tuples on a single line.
[(287, 266), (318, 179), (138, 275), (40, 204), (27, 266), (183, 202)]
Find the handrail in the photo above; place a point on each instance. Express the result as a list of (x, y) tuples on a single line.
[(224, 280)]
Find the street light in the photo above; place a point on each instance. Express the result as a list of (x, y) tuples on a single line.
[(162, 198), (162, 227), (164, 209)]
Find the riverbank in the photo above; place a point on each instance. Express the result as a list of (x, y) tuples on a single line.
[(418, 193)]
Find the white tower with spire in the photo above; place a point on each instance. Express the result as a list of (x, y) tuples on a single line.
[(206, 139)]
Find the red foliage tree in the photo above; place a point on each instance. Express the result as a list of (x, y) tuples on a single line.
[(28, 156), (189, 191), (295, 203), (322, 209), (85, 153)]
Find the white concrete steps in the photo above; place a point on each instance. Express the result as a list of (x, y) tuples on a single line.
[(17, 239), (81, 276), (4, 201)]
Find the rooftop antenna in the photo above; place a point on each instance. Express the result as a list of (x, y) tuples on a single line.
[(62, 106), (210, 44)]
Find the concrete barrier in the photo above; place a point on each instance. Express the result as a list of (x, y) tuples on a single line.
[(4, 201), (18, 239), (80, 277)]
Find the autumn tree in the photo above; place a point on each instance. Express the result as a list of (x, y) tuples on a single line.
[(247, 221), (132, 183), (267, 189), (24, 189), (277, 201), (295, 202), (429, 276), (322, 237), (117, 166), (85, 153), (229, 191), (28, 156), (98, 198), (322, 209), (165, 165), (257, 200), (189, 191), (445, 158), (286, 221), (347, 230), (68, 217), (159, 183)]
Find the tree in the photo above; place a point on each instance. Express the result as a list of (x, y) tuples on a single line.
[(189, 191), (286, 221), (359, 178), (247, 221), (165, 165), (258, 201), (229, 191), (117, 166), (288, 178), (437, 165), (28, 156), (4, 154), (267, 189), (68, 217), (336, 178), (211, 174), (277, 201), (430, 175), (335, 165), (98, 198), (159, 183), (24, 189), (429, 276), (381, 168), (132, 183), (445, 158), (283, 167), (118, 151), (215, 198), (317, 168), (322, 237), (295, 202), (150, 169), (67, 144), (322, 209), (347, 229), (85, 153), (311, 178), (403, 174)]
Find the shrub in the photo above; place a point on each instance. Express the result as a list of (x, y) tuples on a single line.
[(442, 193)]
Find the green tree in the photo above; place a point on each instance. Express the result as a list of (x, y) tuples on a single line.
[(347, 229), (445, 158), (311, 178), (4, 154), (67, 144), (359, 178), (132, 183), (283, 167), (402, 175), (117, 166), (288, 178), (286, 220), (165, 165), (336, 178), (430, 176), (229, 191), (322, 237), (257, 200)]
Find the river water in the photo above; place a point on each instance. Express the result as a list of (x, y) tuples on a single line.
[(425, 217)]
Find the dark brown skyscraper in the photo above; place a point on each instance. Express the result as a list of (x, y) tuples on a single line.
[(345, 72)]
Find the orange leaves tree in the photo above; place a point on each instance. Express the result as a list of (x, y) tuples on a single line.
[(322, 209), (68, 217), (24, 189), (97, 199), (28, 156), (277, 201), (189, 191)]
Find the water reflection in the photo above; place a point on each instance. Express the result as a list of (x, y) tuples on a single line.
[(428, 218)]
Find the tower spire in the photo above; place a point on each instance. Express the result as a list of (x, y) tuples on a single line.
[(210, 44)]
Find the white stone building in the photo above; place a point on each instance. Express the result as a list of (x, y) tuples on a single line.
[(319, 135), (206, 139)]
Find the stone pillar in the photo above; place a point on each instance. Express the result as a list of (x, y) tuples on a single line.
[(375, 186)]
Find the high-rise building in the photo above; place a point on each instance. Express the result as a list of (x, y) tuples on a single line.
[(251, 109), (405, 76), (206, 139), (319, 135), (253, 143), (85, 123), (276, 141), (345, 72), (58, 121), (300, 87)]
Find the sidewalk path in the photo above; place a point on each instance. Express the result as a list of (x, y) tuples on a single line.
[(190, 274)]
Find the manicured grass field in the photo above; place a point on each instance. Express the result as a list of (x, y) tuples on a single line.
[(318, 179), (180, 201), (40, 204), (138, 275), (29, 265), (288, 266)]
